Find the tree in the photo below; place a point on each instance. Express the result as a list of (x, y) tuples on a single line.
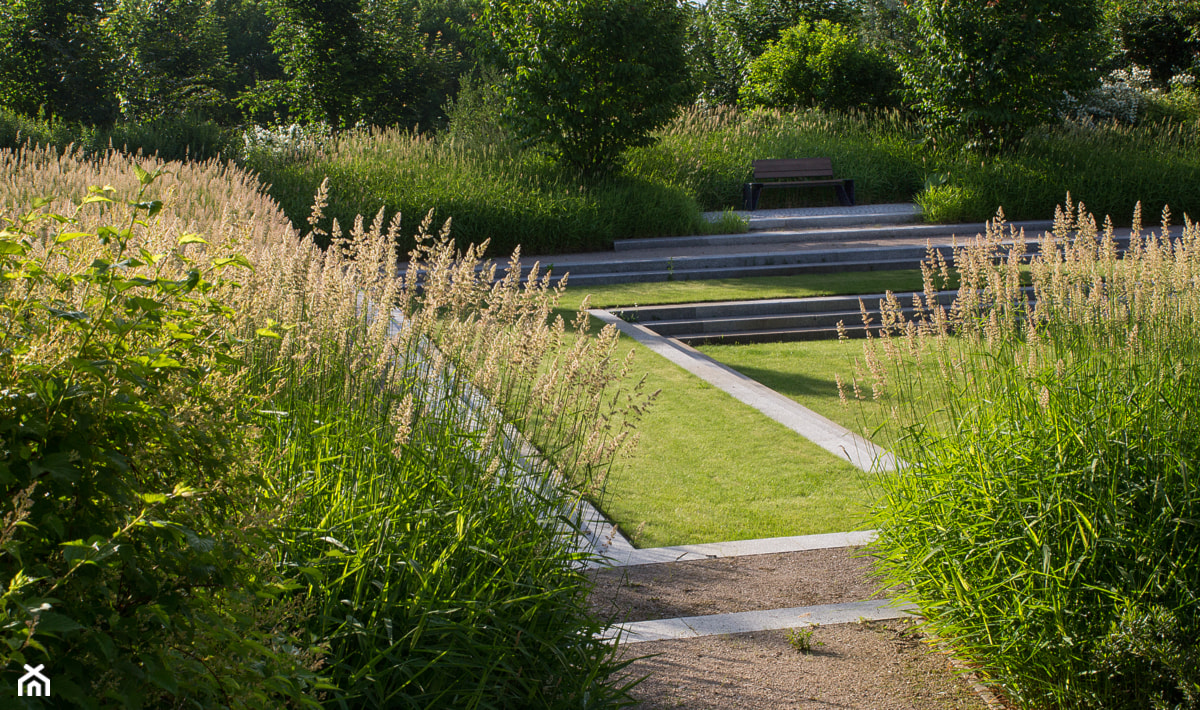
[(174, 59), (54, 57), (1162, 35), (589, 78), (989, 69), (352, 61), (823, 65)]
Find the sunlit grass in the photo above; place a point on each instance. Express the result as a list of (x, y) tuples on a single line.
[(709, 468)]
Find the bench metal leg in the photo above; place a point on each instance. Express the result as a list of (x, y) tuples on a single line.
[(845, 193), (750, 194)]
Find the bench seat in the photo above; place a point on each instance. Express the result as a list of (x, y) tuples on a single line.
[(802, 172)]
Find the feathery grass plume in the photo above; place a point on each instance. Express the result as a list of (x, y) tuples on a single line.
[(1043, 520), (367, 436)]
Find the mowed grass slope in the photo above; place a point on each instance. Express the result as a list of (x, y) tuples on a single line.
[(709, 469)]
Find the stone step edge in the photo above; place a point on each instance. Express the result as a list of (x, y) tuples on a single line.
[(622, 556), (807, 235), (688, 627), (827, 434)]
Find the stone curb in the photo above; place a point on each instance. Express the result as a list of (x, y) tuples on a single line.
[(688, 627), (632, 557)]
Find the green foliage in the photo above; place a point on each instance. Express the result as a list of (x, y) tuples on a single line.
[(350, 62), (589, 78), (724, 36), (1162, 36), (126, 558), (493, 192), (707, 153), (989, 71), (169, 137), (1045, 519), (821, 65), (717, 60), (55, 59), (758, 23), (173, 59)]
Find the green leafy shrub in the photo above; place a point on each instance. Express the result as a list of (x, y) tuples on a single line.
[(990, 71), (822, 65), (129, 548), (587, 95), (1044, 520)]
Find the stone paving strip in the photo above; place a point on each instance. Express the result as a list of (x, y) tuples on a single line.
[(631, 556), (745, 621), (827, 434)]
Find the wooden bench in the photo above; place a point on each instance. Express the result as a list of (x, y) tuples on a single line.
[(802, 172)]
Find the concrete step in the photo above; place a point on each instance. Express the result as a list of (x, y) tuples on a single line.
[(651, 315), (784, 335), (740, 272), (810, 235), (799, 321), (818, 217), (773, 320)]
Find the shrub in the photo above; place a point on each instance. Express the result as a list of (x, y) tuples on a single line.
[(256, 467), (587, 95), (821, 65), (990, 72), (1044, 519)]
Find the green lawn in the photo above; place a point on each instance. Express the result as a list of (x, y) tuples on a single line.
[(710, 468), (802, 286)]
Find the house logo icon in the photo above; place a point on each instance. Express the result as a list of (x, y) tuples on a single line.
[(33, 684)]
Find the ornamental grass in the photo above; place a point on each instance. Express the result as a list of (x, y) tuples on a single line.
[(1046, 520), (241, 470)]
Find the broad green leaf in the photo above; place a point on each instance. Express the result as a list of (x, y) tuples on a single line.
[(191, 239), (64, 237)]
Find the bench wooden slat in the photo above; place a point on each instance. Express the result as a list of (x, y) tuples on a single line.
[(837, 181), (793, 167), (795, 172)]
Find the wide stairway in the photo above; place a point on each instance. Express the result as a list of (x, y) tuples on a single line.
[(778, 243)]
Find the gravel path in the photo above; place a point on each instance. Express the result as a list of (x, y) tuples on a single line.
[(882, 665)]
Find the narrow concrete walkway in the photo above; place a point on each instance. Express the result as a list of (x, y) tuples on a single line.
[(829, 435), (745, 621)]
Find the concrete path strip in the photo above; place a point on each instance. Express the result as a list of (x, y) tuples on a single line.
[(628, 556), (829, 435), (746, 621)]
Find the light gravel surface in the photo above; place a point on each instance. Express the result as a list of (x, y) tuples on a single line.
[(864, 666), (732, 584), (869, 666)]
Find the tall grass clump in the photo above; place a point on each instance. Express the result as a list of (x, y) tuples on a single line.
[(708, 152), (1046, 519), (498, 193), (1107, 166), (181, 137), (246, 471)]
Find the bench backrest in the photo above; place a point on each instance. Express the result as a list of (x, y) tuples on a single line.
[(793, 168)]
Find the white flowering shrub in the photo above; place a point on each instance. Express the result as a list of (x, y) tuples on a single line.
[(1119, 98), (285, 141)]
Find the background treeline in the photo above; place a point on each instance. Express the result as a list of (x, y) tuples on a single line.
[(398, 62), (527, 130)]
